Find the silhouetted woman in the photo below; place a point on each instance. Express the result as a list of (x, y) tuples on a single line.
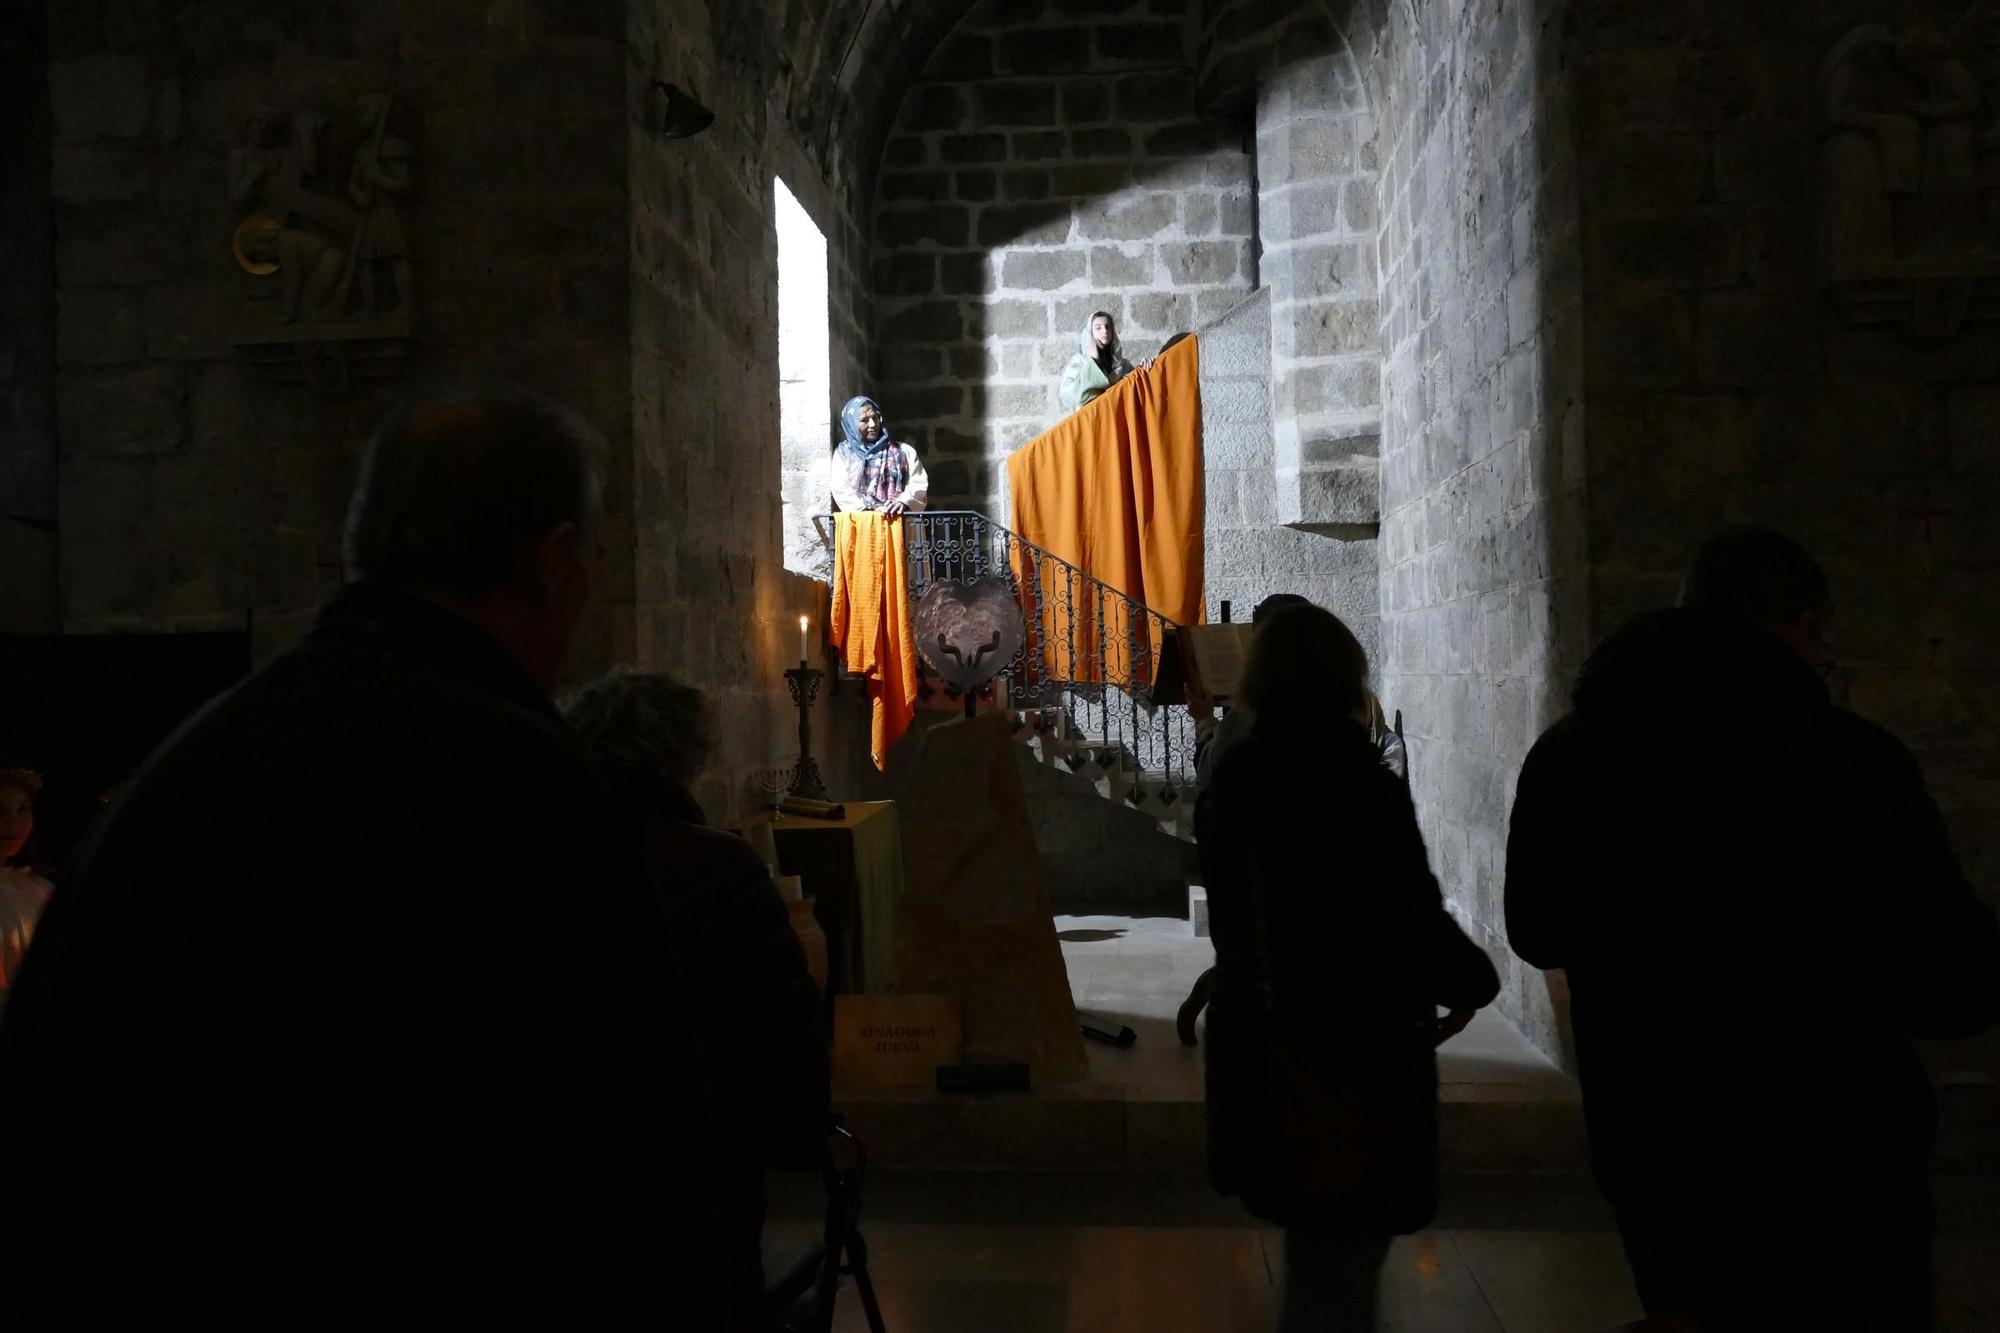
[(1333, 954)]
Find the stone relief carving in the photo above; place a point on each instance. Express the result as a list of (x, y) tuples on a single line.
[(1909, 167), (334, 279)]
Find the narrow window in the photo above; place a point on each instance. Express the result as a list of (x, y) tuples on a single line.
[(804, 393)]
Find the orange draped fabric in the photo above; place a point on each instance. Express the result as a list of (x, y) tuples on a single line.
[(1115, 489), (871, 621)]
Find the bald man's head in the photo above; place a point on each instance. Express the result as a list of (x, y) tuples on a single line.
[(453, 492)]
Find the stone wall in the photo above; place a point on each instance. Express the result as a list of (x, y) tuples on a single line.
[(1730, 380), (1237, 484), (1048, 164), (1483, 587), (1316, 191), (195, 496), (715, 603), (561, 245), (28, 462), (1294, 75), (1251, 555), (1419, 244)]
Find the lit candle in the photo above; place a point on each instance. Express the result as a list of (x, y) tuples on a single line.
[(803, 654)]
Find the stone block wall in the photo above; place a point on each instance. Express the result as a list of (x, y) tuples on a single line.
[(561, 245), (1249, 554), (1727, 383), (715, 603), (1419, 243), (28, 461), (1483, 577), (1312, 518), (194, 495), (1049, 163), (1316, 209)]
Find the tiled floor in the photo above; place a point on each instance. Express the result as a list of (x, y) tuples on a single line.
[(1065, 1251), (975, 1277), (967, 1279), (1138, 970)]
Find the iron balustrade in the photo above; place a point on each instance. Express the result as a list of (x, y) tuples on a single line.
[(1088, 663)]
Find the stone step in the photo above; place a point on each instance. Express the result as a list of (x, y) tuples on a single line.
[(1197, 910), (1505, 1107)]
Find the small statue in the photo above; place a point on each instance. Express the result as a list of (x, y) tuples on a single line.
[(1947, 104), (1872, 156), (377, 182), (267, 171)]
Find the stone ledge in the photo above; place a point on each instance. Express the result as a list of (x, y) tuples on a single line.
[(1348, 492)]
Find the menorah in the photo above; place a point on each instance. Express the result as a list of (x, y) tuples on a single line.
[(773, 783)]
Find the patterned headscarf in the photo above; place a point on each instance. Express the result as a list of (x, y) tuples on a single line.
[(876, 469)]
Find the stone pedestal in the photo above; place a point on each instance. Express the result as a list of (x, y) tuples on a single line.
[(975, 918)]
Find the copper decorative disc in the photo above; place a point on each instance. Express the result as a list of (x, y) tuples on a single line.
[(969, 632), (248, 232)]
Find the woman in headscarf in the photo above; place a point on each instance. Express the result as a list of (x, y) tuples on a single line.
[(872, 471), (1098, 364)]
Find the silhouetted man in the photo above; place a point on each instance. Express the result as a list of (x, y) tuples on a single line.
[(356, 1009), (1756, 905)]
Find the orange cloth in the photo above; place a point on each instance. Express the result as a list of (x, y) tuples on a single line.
[(871, 621), (1115, 489)]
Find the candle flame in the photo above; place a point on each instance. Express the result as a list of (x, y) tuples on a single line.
[(802, 624)]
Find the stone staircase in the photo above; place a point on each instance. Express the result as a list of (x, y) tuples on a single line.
[(1111, 768), (1099, 851), (1109, 772)]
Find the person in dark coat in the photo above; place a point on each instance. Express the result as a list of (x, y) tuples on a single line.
[(357, 1009), (1757, 906), (756, 1007), (1318, 882)]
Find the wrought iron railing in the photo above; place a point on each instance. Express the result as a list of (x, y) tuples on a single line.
[(1086, 674)]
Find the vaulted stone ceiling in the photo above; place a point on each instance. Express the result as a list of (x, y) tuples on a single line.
[(842, 65)]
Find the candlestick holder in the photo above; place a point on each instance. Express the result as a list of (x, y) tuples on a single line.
[(804, 682)]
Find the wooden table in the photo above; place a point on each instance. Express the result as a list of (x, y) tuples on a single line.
[(853, 870)]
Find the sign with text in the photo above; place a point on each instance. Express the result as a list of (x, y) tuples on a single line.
[(894, 1041)]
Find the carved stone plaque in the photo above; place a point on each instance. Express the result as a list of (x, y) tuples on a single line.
[(324, 236), (1909, 173)]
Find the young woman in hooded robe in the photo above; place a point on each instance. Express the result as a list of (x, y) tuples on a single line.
[(1098, 364)]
